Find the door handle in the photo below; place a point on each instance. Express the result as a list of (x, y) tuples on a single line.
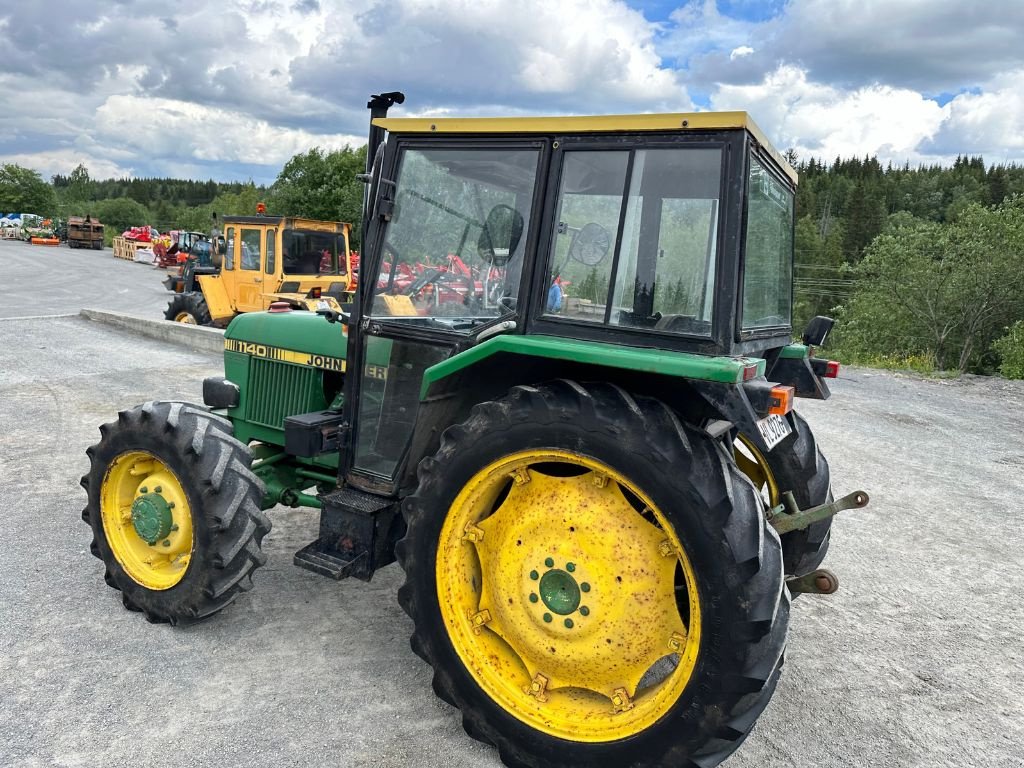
[(258, 280)]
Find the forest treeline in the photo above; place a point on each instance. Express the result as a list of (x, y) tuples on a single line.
[(922, 266), (317, 184)]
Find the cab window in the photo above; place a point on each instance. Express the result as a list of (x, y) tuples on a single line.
[(636, 239), (251, 248), (271, 250), (454, 247), (229, 248), (768, 251)]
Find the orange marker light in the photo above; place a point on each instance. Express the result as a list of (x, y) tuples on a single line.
[(261, 208), (314, 293), (780, 401), (831, 369)]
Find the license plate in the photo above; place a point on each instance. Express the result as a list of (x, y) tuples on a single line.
[(774, 429), (321, 305)]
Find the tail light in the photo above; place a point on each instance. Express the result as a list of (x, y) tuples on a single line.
[(780, 400)]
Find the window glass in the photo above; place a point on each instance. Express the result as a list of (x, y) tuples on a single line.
[(271, 251), (768, 249), (589, 208), (229, 246), (307, 252), (665, 267), (389, 399), (453, 250), (251, 248)]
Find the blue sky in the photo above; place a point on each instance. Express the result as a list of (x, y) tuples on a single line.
[(232, 90)]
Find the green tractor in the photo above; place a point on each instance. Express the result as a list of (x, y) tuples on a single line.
[(561, 398)]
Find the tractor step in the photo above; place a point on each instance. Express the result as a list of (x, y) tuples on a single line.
[(358, 532)]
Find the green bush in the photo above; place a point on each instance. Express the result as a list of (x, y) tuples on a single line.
[(1011, 349)]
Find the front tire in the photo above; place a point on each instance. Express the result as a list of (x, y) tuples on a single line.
[(174, 511), (188, 308), (593, 582)]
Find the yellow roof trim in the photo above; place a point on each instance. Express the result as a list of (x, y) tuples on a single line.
[(675, 121)]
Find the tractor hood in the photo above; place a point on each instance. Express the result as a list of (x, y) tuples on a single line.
[(297, 331)]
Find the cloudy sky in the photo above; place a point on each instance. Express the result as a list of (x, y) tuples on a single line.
[(232, 89)]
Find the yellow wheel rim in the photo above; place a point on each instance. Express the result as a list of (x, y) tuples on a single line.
[(146, 519), (568, 596), (185, 317), (753, 464)]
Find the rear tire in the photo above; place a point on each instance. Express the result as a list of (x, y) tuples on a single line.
[(174, 511), (685, 486), (189, 308), (798, 465)]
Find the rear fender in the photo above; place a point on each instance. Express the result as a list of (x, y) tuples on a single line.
[(741, 404)]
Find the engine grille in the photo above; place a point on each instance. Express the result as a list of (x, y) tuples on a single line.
[(281, 390)]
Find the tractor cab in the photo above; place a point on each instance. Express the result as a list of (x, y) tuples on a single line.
[(654, 233)]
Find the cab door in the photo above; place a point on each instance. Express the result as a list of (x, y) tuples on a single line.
[(249, 269), (449, 243)]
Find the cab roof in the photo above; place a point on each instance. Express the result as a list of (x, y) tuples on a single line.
[(293, 222), (681, 122)]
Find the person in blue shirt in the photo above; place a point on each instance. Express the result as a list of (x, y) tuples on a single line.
[(555, 295)]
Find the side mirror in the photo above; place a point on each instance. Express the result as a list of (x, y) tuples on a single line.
[(590, 245), (817, 330), (500, 235)]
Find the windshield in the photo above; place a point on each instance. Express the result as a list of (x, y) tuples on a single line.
[(306, 252), (453, 250)]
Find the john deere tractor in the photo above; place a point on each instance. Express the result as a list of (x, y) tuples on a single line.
[(260, 260), (564, 404)]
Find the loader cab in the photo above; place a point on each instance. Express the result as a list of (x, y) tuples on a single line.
[(671, 232), (272, 258)]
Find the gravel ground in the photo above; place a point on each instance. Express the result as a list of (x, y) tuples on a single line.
[(52, 280), (916, 661)]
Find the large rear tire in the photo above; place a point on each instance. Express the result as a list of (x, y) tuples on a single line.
[(174, 510), (798, 465), (593, 582)]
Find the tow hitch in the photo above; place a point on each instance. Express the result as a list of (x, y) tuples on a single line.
[(819, 582), (789, 517)]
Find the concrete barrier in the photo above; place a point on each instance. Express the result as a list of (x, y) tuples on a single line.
[(197, 337)]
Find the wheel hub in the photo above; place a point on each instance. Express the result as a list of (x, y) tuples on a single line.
[(559, 592), (151, 517)]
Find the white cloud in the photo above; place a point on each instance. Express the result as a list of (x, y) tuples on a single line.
[(63, 161), (568, 56), (990, 123), (235, 89), (898, 124), (823, 121), (167, 128)]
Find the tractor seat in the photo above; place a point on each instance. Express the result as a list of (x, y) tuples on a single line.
[(682, 324)]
